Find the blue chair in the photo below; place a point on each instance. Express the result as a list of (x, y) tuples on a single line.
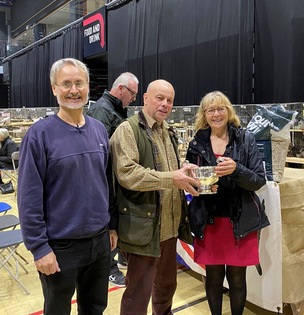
[(4, 207), (9, 242), (8, 221)]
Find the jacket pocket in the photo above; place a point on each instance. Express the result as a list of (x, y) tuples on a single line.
[(137, 224), (253, 216)]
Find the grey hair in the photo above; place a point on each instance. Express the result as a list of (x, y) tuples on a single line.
[(124, 79), (4, 133), (59, 64)]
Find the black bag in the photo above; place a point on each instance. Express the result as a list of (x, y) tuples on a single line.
[(7, 188)]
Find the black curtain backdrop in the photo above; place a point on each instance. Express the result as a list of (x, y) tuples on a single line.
[(279, 61), (198, 45), (29, 72)]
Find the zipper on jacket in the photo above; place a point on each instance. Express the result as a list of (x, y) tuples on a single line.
[(258, 209)]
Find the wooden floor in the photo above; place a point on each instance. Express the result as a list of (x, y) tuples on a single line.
[(190, 297)]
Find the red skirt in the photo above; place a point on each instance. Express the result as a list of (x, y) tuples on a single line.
[(219, 247)]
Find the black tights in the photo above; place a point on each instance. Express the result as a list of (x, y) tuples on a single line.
[(236, 277)]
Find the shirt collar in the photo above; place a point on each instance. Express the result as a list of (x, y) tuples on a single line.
[(151, 122)]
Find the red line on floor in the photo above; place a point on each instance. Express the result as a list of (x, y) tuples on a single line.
[(114, 288)]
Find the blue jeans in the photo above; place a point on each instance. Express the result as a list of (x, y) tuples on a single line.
[(85, 266)]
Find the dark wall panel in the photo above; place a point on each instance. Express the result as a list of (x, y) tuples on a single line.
[(30, 83), (3, 96), (279, 51), (195, 45)]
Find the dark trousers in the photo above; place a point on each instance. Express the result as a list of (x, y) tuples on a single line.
[(150, 276), (85, 266)]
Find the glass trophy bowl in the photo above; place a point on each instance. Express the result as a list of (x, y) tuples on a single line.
[(207, 177)]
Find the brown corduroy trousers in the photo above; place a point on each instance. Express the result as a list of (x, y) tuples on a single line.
[(150, 276)]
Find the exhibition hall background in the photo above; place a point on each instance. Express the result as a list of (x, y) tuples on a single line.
[(251, 50)]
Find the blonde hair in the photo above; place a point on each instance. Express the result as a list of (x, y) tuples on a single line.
[(215, 98)]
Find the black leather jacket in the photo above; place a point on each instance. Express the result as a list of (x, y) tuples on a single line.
[(108, 109), (237, 191)]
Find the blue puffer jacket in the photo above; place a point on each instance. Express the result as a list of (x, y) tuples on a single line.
[(245, 209)]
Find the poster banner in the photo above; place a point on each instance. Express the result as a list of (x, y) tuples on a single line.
[(94, 33)]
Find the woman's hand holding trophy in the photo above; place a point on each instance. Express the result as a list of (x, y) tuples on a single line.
[(206, 176)]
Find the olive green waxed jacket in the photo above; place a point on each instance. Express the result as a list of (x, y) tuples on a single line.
[(139, 212)]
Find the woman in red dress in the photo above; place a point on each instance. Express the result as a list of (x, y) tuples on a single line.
[(226, 223)]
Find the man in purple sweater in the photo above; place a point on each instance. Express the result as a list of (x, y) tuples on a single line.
[(63, 198)]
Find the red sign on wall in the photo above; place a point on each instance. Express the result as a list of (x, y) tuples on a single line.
[(94, 33)]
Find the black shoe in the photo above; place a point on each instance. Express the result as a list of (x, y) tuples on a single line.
[(117, 278), (7, 188)]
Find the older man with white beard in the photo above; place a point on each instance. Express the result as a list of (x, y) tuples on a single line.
[(63, 198)]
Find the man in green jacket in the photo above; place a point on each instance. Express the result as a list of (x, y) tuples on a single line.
[(152, 212)]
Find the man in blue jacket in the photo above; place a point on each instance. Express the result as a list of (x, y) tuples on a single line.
[(63, 198)]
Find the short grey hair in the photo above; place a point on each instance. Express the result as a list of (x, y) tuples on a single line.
[(4, 133), (59, 64), (124, 79)]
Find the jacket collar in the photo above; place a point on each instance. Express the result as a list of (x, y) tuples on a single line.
[(117, 103), (235, 133), (202, 143), (143, 121)]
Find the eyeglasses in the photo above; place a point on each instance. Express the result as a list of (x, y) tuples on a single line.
[(66, 86), (220, 110), (132, 92)]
